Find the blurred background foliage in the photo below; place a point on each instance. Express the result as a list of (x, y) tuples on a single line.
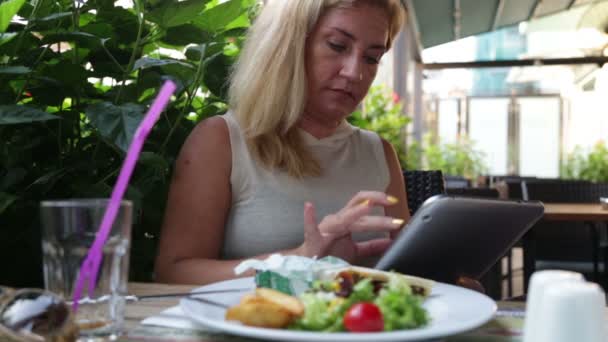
[(460, 158), (589, 165), (76, 79), (382, 112)]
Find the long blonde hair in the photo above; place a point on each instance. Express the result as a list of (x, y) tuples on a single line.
[(268, 85)]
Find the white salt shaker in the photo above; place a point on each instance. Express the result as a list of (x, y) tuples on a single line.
[(572, 311), (539, 284)]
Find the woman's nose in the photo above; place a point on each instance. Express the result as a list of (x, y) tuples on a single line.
[(352, 69)]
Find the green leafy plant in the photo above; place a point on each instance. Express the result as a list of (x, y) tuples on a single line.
[(592, 165), (75, 81), (456, 159), (382, 113)]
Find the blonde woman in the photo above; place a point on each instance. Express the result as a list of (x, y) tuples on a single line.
[(283, 171)]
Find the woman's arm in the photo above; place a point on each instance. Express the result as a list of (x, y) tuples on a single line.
[(197, 206), (396, 186)]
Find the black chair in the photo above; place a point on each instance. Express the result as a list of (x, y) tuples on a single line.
[(473, 192), (564, 245), (513, 188), (452, 182), (420, 185), (516, 191)]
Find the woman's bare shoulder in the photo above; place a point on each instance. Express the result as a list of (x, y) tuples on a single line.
[(209, 142), (213, 129)]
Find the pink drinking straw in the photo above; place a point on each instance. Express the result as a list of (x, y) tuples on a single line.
[(90, 265)]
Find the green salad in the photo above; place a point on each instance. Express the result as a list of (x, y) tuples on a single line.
[(360, 304)]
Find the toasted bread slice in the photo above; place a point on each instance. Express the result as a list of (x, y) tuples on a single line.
[(289, 303), (258, 311)]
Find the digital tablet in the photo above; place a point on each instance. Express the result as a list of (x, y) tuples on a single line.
[(451, 237)]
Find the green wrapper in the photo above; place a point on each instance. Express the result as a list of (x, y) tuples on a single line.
[(290, 274), (277, 282)]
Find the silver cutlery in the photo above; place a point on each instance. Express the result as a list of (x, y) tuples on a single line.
[(189, 295)]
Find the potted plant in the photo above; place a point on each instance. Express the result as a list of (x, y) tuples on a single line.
[(591, 165), (75, 80), (382, 112), (460, 158)]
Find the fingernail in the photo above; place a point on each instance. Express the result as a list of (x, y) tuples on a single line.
[(398, 221), (392, 199), (365, 203)]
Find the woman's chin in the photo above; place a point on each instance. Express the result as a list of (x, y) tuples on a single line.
[(339, 112)]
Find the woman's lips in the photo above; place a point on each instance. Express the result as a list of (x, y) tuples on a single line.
[(344, 93)]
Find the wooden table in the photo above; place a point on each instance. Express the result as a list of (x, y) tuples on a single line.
[(138, 311), (497, 330), (589, 213), (575, 212)]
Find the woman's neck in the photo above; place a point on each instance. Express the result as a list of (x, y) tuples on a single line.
[(318, 128)]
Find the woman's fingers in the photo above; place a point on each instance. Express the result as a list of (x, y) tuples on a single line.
[(310, 219), (372, 247), (338, 223), (471, 284), (373, 197), (376, 224), (313, 241)]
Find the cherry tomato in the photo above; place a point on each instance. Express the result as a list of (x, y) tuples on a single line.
[(364, 317)]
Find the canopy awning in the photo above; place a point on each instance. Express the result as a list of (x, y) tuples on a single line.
[(440, 21)]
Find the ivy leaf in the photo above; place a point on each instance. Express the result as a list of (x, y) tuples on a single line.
[(82, 38), (178, 69), (18, 114), (49, 179), (217, 77), (22, 46), (177, 13), (6, 200), (147, 62), (123, 22), (12, 177), (207, 51), (102, 30), (185, 34), (154, 160), (6, 37), (54, 17), (50, 93), (117, 123), (14, 70), (241, 22), (7, 10), (51, 21), (156, 165), (66, 73), (195, 52), (215, 19), (46, 8)]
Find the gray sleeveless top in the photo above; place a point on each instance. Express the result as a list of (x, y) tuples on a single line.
[(267, 211)]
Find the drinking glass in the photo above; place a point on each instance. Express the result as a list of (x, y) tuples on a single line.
[(69, 228)]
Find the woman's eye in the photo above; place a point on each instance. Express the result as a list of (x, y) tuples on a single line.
[(336, 47), (372, 60)]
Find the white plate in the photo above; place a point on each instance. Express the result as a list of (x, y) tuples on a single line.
[(452, 310)]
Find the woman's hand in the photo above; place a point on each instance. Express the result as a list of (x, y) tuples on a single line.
[(470, 284), (333, 235)]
